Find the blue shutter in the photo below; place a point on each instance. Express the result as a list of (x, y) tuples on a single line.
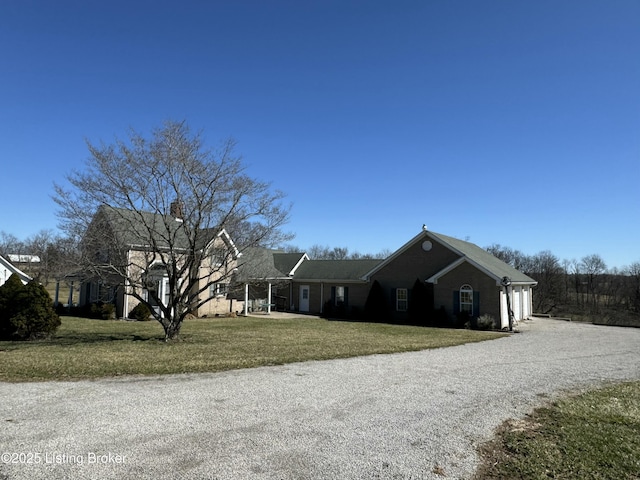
[(476, 304), (333, 295), (456, 302), (346, 296)]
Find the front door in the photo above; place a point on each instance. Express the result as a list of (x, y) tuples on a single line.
[(304, 298), (160, 291)]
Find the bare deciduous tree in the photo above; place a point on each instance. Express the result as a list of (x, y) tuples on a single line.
[(633, 271), (515, 258), (9, 244), (136, 183), (593, 267), (45, 255), (545, 268)]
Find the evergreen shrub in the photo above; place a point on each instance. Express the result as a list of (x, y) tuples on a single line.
[(376, 308), (140, 313), (420, 309), (26, 311), (102, 310)]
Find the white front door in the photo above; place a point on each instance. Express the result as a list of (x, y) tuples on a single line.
[(304, 298), (161, 290)]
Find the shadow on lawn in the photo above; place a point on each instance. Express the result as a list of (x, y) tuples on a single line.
[(69, 340)]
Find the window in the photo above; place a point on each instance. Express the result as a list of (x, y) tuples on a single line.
[(218, 289), (165, 289), (466, 299), (339, 296), (218, 257), (402, 299)]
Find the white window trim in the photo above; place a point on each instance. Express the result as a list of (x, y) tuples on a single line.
[(467, 289), (404, 300), (218, 290)]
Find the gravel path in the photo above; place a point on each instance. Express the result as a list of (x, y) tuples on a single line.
[(403, 416)]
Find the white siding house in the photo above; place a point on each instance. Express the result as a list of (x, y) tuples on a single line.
[(7, 269)]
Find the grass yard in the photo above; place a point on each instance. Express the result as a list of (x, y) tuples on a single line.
[(591, 436), (85, 348)]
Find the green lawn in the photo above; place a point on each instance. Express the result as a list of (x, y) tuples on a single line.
[(85, 348), (591, 436)]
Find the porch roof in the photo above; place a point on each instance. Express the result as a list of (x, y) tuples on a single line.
[(335, 270), (259, 263)]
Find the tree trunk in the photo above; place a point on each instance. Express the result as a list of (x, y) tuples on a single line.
[(171, 329)]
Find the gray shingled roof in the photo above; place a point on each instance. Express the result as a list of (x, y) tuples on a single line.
[(137, 228), (483, 258), (285, 262), (258, 263), (347, 270)]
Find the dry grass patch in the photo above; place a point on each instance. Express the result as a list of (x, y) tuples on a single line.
[(595, 435)]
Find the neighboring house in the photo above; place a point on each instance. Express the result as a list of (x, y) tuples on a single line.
[(123, 248), (7, 269), (17, 258), (459, 276)]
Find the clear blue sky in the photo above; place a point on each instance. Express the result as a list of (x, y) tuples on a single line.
[(498, 121)]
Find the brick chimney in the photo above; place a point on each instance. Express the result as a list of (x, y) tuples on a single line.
[(176, 209)]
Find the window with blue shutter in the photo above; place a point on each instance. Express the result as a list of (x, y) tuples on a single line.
[(456, 302), (340, 296), (466, 299)]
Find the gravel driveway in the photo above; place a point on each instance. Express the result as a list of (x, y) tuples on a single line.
[(403, 416)]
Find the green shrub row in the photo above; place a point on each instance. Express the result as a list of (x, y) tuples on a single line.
[(98, 310)]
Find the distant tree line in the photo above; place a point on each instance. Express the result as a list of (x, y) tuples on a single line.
[(585, 286), (324, 252)]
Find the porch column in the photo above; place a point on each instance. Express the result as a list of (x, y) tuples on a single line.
[(71, 295), (125, 303), (291, 304), (504, 314), (268, 298), (246, 299)]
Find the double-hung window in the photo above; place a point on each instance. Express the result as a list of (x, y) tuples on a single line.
[(218, 258), (218, 289), (339, 296), (466, 299), (402, 299)]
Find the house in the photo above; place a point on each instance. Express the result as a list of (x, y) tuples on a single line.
[(131, 252), (459, 277), (7, 269), (455, 278)]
